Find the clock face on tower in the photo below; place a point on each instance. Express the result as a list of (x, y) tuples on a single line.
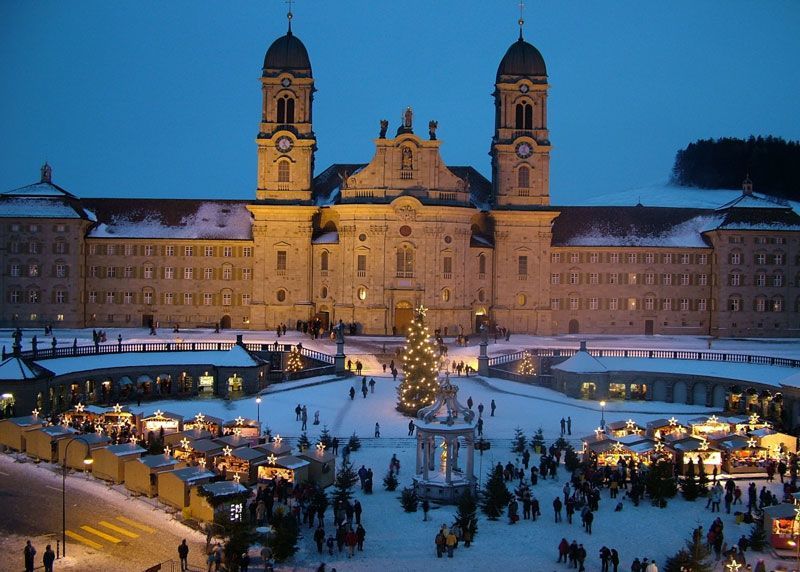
[(524, 150), (284, 144)]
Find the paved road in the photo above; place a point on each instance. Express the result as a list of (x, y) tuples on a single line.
[(105, 529)]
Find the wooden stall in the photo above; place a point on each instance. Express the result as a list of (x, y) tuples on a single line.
[(698, 451), (174, 486), (205, 422), (222, 502), (234, 441), (247, 428), (780, 526), (169, 422), (663, 428), (13, 431), (86, 443), (201, 452), (622, 428), (42, 442), (742, 454), (141, 475), (278, 448), (191, 435), (322, 467), (778, 444), (109, 463), (711, 427), (287, 468), (241, 463)]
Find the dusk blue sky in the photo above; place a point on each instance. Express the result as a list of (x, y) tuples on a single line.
[(162, 99)]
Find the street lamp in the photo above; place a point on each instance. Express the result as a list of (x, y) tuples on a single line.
[(603, 414), (258, 412), (86, 461)]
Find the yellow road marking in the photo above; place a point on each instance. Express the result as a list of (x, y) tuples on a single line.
[(84, 540), (118, 529), (101, 534), (135, 524)]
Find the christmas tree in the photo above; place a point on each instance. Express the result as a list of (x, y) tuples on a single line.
[(520, 441), (467, 514), (354, 443), (390, 481), (303, 443), (526, 366), (702, 479), (694, 557), (495, 494), (284, 537), (758, 538), (420, 368), (319, 503), (294, 362), (325, 437), (660, 483), (571, 459), (689, 486), (409, 499), (346, 479), (537, 441)]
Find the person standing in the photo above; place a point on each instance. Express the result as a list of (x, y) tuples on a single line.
[(361, 533), (319, 538), (350, 539), (563, 426), (304, 418), (426, 506), (48, 558), (30, 553), (493, 407), (451, 540), (357, 511), (411, 428), (372, 385), (377, 429), (183, 555), (480, 427), (569, 425), (480, 410)]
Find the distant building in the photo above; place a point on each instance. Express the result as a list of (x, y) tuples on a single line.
[(365, 243)]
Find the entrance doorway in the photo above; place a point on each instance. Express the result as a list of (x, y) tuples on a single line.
[(403, 316), (147, 320), (574, 327), (648, 327), (225, 323), (324, 319), (481, 320)]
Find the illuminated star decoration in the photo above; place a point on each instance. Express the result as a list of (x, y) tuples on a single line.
[(659, 447), (202, 463), (185, 443), (134, 439), (630, 423), (167, 451), (754, 419), (159, 413), (227, 451), (199, 417), (703, 445), (713, 420), (80, 407), (733, 566), (117, 408), (35, 413), (278, 440), (422, 310), (236, 477), (239, 420), (673, 422), (321, 447), (99, 429), (237, 431), (272, 458), (599, 431), (751, 443), (617, 447)]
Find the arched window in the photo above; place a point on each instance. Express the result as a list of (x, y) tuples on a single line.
[(777, 304), (405, 262), (289, 110), (283, 172), (362, 293), (481, 264), (445, 295), (281, 118), (285, 110), (519, 120), (523, 116), (323, 261), (528, 116), (523, 177), (735, 304)]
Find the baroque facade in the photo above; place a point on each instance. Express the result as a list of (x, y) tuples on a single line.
[(365, 243)]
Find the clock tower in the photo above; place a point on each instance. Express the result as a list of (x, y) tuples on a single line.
[(286, 141), (521, 143)]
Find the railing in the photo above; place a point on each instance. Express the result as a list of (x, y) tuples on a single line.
[(651, 354)]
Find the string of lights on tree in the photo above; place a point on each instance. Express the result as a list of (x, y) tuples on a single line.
[(420, 367)]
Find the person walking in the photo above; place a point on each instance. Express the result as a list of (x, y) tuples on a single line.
[(350, 539), (377, 429), (480, 410), (557, 508), (29, 553), (48, 558), (614, 560), (304, 418), (426, 506), (440, 542), (563, 550), (372, 385), (352, 393), (183, 555), (361, 533), (319, 538), (451, 540), (357, 511)]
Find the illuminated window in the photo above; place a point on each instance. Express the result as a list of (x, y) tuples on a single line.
[(445, 295), (521, 299), (405, 262), (362, 293), (281, 295)]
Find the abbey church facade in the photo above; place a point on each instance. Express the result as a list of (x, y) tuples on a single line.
[(365, 243)]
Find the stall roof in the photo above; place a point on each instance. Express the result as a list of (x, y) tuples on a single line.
[(245, 423), (156, 461), (224, 488), (249, 454), (632, 439), (617, 425), (289, 462), (735, 443), (689, 444), (125, 449), (206, 446), (26, 421), (206, 419), (164, 414), (195, 434), (314, 454), (783, 510), (283, 449), (58, 431), (234, 441), (190, 474), (92, 438)]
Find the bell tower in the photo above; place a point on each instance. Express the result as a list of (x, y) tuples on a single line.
[(286, 141), (521, 143)]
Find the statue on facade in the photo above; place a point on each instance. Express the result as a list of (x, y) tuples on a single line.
[(408, 118), (17, 336), (407, 161), (432, 125), (384, 127)]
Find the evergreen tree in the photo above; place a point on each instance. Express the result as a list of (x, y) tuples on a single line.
[(571, 458), (689, 487), (702, 479), (390, 481), (537, 441), (319, 502), (758, 537), (409, 499), (695, 556), (284, 538), (294, 362), (467, 514), (325, 437), (346, 479), (526, 365), (520, 441), (660, 483), (303, 443), (495, 494), (354, 443), (420, 368), (561, 444)]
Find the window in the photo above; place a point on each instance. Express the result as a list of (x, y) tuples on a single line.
[(227, 272), (650, 278), (523, 177), (111, 249), (593, 303), (522, 299), (127, 298), (169, 298), (169, 272), (148, 250), (33, 296), (702, 305), (247, 251), (522, 266), (778, 258), (15, 228), (283, 172), (128, 250), (247, 273), (574, 257), (523, 117), (169, 251), (594, 278), (188, 273), (61, 297), (594, 258), (685, 280), (649, 303), (208, 251), (323, 261), (649, 258), (574, 277), (555, 258), (685, 259), (613, 258), (631, 303), (447, 267), (761, 258), (666, 304), (148, 271), (633, 278), (227, 251), (362, 293), (555, 278), (33, 270), (208, 273), (92, 297), (208, 299), (702, 259), (481, 265), (61, 270), (60, 247), (613, 278), (361, 265), (761, 279), (33, 228), (702, 279), (128, 272), (734, 304), (109, 297), (33, 247), (111, 272), (281, 262), (147, 295), (777, 279), (14, 247), (735, 257), (735, 239), (405, 262), (613, 304), (684, 304), (666, 279), (188, 250), (94, 272), (631, 258), (574, 303), (324, 292), (285, 109), (188, 299), (445, 295), (666, 258), (15, 296), (760, 304), (481, 296), (777, 304), (245, 299), (15, 270), (555, 304), (734, 279)]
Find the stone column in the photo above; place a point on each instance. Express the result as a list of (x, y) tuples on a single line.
[(450, 453), (470, 443), (418, 469), (455, 452), (483, 359), (427, 445)]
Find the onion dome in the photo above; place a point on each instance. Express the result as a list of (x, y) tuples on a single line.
[(287, 53), (522, 59)]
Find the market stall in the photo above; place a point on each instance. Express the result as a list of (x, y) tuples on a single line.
[(201, 452), (169, 422), (248, 428), (222, 502), (81, 415), (322, 465), (205, 422), (174, 486), (778, 444), (662, 428), (240, 464), (77, 453), (277, 447), (42, 442), (13, 431), (712, 427), (109, 463), (141, 475), (623, 428), (742, 454), (287, 468), (699, 451), (174, 439), (234, 441), (781, 526)]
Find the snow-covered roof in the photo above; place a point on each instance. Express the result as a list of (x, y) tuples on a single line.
[(206, 446), (56, 431), (249, 454), (327, 238), (156, 461), (224, 488), (289, 462), (237, 356), (15, 369), (42, 200), (125, 449), (190, 474), (25, 421), (581, 362), (171, 218)]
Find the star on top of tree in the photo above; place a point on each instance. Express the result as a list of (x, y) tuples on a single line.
[(422, 310), (117, 408), (80, 407), (227, 451)]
